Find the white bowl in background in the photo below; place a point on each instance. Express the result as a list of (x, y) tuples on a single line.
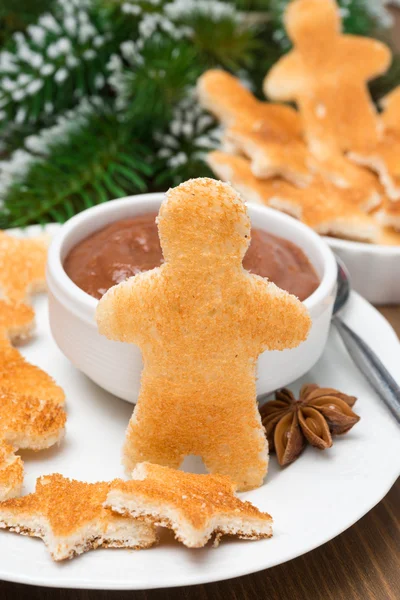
[(374, 269), (116, 366)]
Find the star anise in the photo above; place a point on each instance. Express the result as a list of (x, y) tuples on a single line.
[(318, 414)]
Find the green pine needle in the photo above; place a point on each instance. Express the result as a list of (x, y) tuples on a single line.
[(93, 165)]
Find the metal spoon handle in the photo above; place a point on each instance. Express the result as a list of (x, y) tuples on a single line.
[(371, 366)]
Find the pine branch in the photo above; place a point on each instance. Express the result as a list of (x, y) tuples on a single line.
[(94, 163), (58, 61), (181, 147), (219, 33), (150, 90)]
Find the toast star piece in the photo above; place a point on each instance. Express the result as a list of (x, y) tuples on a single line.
[(272, 154), (195, 507), (322, 206), (269, 134), (233, 104), (339, 170), (326, 74), (383, 157), (70, 518), (31, 404), (389, 216), (11, 472), (276, 157), (22, 266), (201, 322)]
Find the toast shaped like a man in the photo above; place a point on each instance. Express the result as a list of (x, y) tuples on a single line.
[(201, 321), (326, 74)]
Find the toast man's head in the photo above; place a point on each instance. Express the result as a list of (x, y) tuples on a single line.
[(203, 220)]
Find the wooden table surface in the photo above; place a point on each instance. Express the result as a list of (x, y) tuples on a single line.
[(361, 564)]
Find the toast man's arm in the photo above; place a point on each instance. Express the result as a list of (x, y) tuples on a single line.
[(279, 319), (119, 312), (283, 81)]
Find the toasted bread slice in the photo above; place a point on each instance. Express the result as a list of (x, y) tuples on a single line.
[(31, 403), (70, 518), (233, 104), (324, 207), (11, 472), (17, 322), (389, 216), (195, 507), (22, 266)]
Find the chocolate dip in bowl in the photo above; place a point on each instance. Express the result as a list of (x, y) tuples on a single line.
[(129, 246)]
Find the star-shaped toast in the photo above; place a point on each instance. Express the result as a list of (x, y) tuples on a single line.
[(195, 507), (70, 518), (270, 134), (389, 216), (22, 266), (201, 321), (326, 74), (383, 157), (272, 154), (32, 415), (322, 206), (31, 404), (233, 104), (11, 472)]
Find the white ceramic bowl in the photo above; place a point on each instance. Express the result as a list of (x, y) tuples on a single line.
[(374, 269), (115, 366)]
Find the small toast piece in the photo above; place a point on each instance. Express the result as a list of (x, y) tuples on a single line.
[(11, 472), (326, 74), (384, 159), (272, 154), (389, 216), (322, 206), (195, 507), (22, 266), (384, 156), (269, 134), (232, 104), (70, 518), (17, 322), (201, 321), (31, 404)]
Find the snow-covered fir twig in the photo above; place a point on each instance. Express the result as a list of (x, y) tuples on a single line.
[(47, 56), (37, 147), (190, 135)]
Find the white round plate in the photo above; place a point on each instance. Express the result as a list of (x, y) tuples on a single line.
[(311, 501)]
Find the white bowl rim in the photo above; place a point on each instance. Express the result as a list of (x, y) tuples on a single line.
[(88, 303), (353, 246)]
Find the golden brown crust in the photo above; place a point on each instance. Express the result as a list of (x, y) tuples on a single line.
[(272, 154), (201, 321), (195, 500), (16, 322), (391, 111), (225, 96), (390, 217), (31, 404), (22, 266), (11, 472), (71, 508), (326, 74), (321, 205)]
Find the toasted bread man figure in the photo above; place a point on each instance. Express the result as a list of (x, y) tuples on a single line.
[(326, 74), (201, 321)]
